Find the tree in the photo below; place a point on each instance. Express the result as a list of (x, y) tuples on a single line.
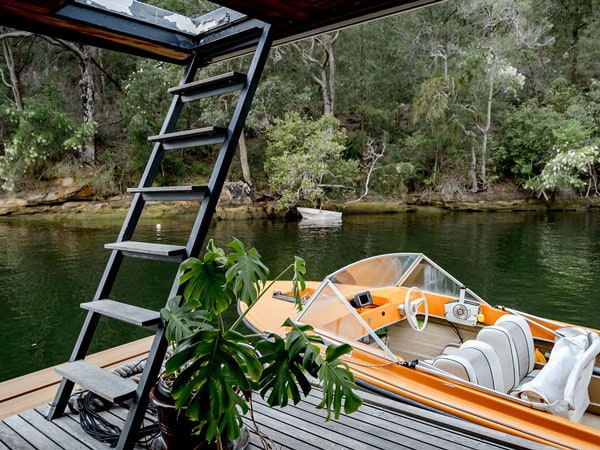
[(375, 152), (12, 81), (85, 143), (319, 51), (573, 163), (304, 157)]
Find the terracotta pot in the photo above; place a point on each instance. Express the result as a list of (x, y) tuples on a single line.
[(175, 427)]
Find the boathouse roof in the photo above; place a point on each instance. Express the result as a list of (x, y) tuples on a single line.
[(144, 30)]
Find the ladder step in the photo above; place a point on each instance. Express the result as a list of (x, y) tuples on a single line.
[(166, 252), (191, 138), (124, 312), (172, 193), (231, 40), (209, 87), (105, 384)]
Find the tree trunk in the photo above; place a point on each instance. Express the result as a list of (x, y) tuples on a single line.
[(88, 151), (14, 83), (574, 50), (473, 170), (88, 92), (326, 78), (330, 60), (486, 130), (244, 160)]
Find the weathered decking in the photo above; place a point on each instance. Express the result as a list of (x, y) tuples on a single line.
[(34, 389), (379, 424)]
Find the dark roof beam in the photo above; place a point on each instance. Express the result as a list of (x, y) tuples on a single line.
[(159, 31)]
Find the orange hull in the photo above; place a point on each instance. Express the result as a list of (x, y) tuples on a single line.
[(458, 399)]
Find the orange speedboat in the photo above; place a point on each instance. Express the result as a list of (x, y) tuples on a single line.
[(420, 336)]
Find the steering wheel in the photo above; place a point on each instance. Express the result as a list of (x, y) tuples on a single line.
[(411, 308)]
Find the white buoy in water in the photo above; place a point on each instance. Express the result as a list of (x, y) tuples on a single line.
[(158, 227)]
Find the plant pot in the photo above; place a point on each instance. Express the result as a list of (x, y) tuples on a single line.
[(176, 429)]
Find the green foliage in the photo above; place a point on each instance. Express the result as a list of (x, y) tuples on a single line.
[(216, 367), (572, 165), (303, 155), (395, 180), (524, 140), (146, 100), (437, 107), (80, 137), (35, 145)]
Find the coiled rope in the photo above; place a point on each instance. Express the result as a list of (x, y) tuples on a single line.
[(89, 405)]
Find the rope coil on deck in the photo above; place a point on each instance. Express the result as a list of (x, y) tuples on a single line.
[(89, 405)]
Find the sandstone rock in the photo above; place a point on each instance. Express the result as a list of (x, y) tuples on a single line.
[(236, 193)]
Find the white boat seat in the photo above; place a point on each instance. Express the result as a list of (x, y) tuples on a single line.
[(475, 362), (561, 387), (512, 340)]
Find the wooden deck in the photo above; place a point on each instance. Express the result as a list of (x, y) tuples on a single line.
[(379, 424), (31, 390)]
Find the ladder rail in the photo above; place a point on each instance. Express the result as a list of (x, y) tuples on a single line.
[(237, 123), (109, 276), (242, 35)]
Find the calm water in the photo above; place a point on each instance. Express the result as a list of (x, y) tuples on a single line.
[(547, 264)]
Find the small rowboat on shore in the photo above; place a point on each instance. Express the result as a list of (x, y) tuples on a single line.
[(420, 336), (319, 215)]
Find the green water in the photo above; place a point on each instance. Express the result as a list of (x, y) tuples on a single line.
[(547, 264)]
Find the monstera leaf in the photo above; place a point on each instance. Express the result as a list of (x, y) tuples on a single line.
[(287, 360), (216, 366), (338, 383), (246, 272), (183, 319)]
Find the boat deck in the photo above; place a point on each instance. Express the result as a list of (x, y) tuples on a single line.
[(380, 423)]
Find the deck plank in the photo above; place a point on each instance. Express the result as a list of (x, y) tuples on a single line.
[(11, 439), (63, 439), (380, 424), (34, 437), (31, 390), (70, 424)]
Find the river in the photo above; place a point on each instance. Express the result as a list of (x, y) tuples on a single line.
[(545, 263)]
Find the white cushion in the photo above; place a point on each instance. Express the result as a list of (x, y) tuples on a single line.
[(561, 387)]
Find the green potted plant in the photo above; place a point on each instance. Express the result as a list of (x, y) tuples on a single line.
[(215, 368)]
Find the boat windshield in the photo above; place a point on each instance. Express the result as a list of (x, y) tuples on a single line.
[(379, 271), (398, 269), (333, 309), (332, 316)]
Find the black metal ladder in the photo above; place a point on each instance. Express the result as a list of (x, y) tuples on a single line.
[(247, 34)]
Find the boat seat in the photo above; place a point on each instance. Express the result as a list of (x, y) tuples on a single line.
[(561, 387), (474, 361), (512, 340)]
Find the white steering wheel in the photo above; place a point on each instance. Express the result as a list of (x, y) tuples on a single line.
[(411, 308)]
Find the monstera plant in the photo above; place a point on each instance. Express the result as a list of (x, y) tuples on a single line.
[(215, 368)]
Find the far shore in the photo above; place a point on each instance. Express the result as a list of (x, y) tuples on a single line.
[(51, 205)]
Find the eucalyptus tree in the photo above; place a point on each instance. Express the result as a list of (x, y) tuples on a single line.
[(318, 55), (10, 73), (575, 27), (481, 74)]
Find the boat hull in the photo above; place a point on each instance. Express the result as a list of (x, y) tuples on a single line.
[(319, 215), (463, 400)]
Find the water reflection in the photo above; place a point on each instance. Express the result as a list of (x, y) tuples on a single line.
[(547, 264)]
